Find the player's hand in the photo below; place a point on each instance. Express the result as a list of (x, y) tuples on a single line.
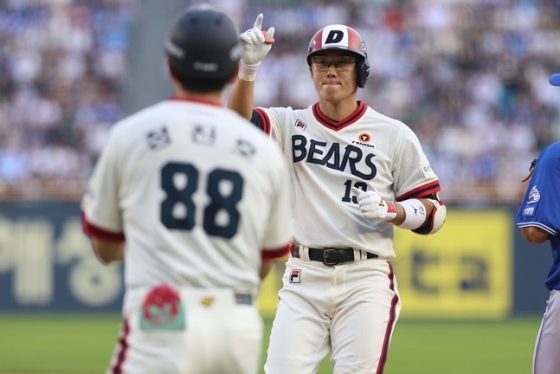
[(374, 208), (256, 43)]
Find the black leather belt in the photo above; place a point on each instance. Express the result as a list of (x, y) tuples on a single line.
[(244, 298), (331, 256)]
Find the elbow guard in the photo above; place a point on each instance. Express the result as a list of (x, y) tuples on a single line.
[(436, 221)]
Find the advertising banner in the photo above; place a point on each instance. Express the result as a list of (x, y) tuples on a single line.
[(465, 270), (46, 262)]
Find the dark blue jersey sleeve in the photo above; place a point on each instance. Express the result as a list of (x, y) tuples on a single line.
[(260, 119), (541, 206)]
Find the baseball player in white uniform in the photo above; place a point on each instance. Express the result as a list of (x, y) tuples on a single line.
[(355, 175), (196, 201)]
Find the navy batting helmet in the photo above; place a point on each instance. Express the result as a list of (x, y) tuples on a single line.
[(203, 45), (343, 38)]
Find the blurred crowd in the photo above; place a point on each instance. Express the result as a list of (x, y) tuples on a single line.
[(61, 67), (469, 77)]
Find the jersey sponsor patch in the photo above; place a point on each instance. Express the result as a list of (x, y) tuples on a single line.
[(534, 196), (300, 124), (528, 211), (363, 140), (162, 310), (364, 137), (204, 134), (158, 139), (89, 196), (244, 148), (207, 301), (295, 276), (427, 170)]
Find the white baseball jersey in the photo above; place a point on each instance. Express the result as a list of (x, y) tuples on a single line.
[(198, 193), (332, 160)]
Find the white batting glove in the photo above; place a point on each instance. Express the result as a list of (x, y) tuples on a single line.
[(374, 208), (255, 44)]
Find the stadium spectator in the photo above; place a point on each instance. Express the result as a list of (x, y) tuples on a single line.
[(466, 76)]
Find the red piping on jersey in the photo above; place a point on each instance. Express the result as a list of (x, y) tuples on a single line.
[(265, 120), (339, 125), (422, 191), (274, 253), (195, 100), (390, 323), (102, 234), (123, 348)]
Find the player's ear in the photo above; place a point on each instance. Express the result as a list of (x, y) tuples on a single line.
[(170, 71)]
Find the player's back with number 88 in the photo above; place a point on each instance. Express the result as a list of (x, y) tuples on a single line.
[(195, 200)]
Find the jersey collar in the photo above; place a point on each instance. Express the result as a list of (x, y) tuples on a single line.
[(339, 125)]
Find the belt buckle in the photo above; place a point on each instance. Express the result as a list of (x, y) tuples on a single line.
[(326, 253)]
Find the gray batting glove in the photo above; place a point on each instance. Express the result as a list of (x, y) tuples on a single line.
[(256, 43), (374, 208)]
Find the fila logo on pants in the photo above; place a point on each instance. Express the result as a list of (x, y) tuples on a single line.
[(295, 276)]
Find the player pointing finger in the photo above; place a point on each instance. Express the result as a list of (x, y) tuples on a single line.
[(256, 43), (339, 291)]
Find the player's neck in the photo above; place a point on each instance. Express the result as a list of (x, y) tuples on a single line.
[(208, 97), (214, 96), (339, 110)]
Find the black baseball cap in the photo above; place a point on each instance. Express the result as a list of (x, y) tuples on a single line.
[(203, 45)]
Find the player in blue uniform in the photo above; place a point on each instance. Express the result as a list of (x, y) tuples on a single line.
[(539, 220)]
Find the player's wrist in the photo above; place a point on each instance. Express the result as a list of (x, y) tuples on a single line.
[(414, 214), (248, 72), (391, 211)]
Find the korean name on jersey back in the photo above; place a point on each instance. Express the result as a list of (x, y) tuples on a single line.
[(333, 156)]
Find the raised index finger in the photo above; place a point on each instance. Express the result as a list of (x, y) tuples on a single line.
[(258, 22)]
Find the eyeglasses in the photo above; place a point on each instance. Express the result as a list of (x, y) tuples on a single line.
[(341, 63)]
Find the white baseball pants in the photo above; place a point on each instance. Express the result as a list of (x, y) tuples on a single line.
[(350, 309), (220, 335)]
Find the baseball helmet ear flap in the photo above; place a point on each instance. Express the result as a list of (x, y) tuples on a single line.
[(343, 38), (363, 73)]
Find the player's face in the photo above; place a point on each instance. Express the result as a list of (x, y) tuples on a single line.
[(334, 75)]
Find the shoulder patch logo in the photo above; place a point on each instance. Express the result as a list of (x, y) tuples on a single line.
[(158, 139), (299, 123), (427, 170), (534, 196)]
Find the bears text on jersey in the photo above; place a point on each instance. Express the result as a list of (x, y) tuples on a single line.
[(333, 156)]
